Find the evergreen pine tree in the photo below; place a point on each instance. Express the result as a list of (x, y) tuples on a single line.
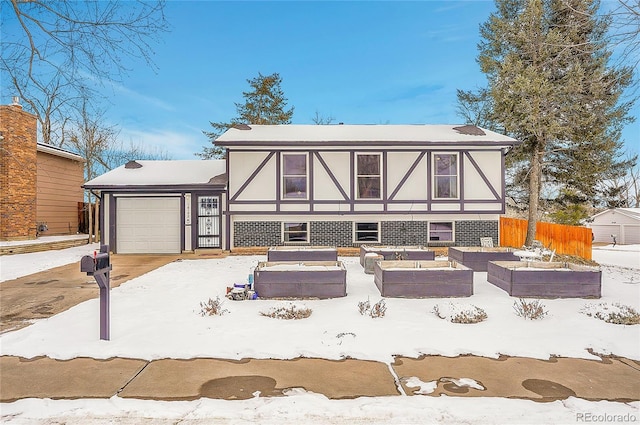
[(264, 104), (547, 66)]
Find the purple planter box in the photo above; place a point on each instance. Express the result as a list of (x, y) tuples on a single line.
[(393, 252), (308, 279), (476, 258), (545, 280), (302, 253), (423, 279)]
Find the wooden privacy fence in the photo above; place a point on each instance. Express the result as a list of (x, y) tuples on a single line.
[(570, 240)]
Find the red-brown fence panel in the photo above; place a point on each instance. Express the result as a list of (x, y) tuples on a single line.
[(570, 240)]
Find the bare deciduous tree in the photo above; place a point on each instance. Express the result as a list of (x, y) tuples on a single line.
[(54, 52), (320, 119), (98, 144)]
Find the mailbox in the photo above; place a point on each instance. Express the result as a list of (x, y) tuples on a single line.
[(99, 262), (99, 266)]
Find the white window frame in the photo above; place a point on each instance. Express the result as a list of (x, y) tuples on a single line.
[(284, 232), (434, 184), (283, 176), (355, 231), (453, 231), (358, 175)]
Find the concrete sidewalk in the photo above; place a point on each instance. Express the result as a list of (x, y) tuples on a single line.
[(613, 379)]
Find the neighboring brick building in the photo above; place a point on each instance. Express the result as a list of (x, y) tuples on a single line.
[(40, 185), (18, 172)]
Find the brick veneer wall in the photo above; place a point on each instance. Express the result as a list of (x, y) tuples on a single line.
[(17, 173), (468, 233), (256, 233), (340, 233), (331, 233), (404, 232)]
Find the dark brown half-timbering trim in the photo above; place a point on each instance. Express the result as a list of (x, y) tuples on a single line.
[(407, 175), (483, 176), (331, 175), (253, 176)]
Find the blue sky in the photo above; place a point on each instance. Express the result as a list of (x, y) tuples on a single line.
[(366, 62)]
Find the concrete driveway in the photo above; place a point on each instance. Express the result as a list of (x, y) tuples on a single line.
[(46, 293)]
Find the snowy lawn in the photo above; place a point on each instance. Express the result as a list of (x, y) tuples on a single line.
[(158, 316)]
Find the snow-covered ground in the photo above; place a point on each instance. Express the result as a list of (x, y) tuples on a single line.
[(157, 316)]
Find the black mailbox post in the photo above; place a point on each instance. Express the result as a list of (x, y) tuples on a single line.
[(99, 267)]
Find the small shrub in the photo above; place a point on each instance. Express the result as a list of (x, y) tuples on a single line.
[(212, 308), (364, 307), (377, 310), (532, 310), (618, 314), (290, 312), (460, 314)]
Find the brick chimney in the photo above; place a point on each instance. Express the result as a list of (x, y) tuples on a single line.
[(18, 146)]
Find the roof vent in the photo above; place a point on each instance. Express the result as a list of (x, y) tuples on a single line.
[(241, 127), (132, 164), (470, 130)]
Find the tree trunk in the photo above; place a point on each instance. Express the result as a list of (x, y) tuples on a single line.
[(534, 195)]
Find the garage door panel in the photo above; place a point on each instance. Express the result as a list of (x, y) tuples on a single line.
[(148, 225)]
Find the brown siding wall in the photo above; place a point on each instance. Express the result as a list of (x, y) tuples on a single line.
[(58, 183), (17, 173)]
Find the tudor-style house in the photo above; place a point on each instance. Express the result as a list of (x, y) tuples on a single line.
[(344, 185), (338, 185)]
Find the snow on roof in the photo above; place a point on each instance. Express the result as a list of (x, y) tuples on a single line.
[(354, 134), (630, 212), (162, 173)]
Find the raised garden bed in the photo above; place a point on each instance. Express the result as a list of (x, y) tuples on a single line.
[(423, 279), (302, 253), (545, 280), (306, 279), (476, 258), (397, 252)]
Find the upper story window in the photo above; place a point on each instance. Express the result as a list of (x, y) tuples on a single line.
[(368, 175), (294, 175), (445, 175)]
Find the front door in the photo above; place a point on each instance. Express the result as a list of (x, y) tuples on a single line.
[(209, 222)]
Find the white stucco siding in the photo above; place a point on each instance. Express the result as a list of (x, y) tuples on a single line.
[(475, 187), (339, 165), (496, 206), (263, 186), (413, 207), (243, 164), (415, 187), (323, 186)]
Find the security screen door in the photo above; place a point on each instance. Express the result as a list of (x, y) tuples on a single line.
[(208, 222)]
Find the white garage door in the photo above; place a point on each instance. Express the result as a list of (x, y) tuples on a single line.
[(148, 225), (603, 232)]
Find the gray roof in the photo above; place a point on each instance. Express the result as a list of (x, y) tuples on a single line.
[(163, 173), (361, 135)]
